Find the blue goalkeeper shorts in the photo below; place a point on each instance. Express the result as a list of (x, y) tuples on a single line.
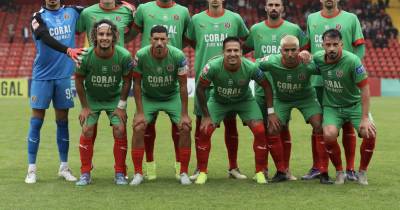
[(58, 91)]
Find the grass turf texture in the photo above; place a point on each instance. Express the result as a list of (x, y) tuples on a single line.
[(165, 193)]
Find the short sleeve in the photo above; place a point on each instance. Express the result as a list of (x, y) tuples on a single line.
[(358, 37), (82, 69), (243, 31), (191, 32), (138, 66), (258, 75), (262, 63), (250, 40), (302, 36), (207, 74), (139, 16), (182, 64), (359, 72), (127, 64), (81, 24)]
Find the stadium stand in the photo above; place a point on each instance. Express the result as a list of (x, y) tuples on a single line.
[(382, 59)]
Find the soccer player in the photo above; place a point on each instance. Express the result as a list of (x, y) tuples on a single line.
[(119, 12), (176, 19), (206, 32), (353, 41), (291, 82), (160, 68), (54, 37), (103, 81), (264, 39), (230, 75), (346, 98)]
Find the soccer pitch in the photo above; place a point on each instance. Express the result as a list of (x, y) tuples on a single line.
[(166, 193)]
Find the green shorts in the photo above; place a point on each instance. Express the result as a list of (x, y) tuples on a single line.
[(197, 110), (247, 110), (308, 108), (319, 90), (262, 106), (98, 106), (172, 107), (338, 116)]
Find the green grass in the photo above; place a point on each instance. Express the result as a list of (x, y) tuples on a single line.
[(165, 193)]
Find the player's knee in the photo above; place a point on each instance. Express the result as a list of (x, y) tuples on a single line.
[(88, 131), (119, 131), (330, 134), (139, 128), (258, 129), (317, 128)]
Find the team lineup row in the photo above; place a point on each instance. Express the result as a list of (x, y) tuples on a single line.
[(330, 75)]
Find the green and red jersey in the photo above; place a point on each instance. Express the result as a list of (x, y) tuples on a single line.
[(122, 16), (103, 76), (209, 32), (231, 87), (173, 17), (342, 79), (160, 77), (290, 84)]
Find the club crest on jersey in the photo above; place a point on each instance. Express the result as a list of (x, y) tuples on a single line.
[(118, 18), (176, 17), (159, 69), (230, 82), (338, 27), (66, 16), (115, 68), (34, 99), (170, 68), (339, 73), (302, 76), (227, 25), (216, 26), (242, 82), (273, 38)]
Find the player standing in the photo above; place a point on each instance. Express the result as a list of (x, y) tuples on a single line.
[(264, 39), (103, 81), (230, 75), (207, 31), (291, 82), (353, 41), (346, 98), (53, 29), (160, 67), (176, 19)]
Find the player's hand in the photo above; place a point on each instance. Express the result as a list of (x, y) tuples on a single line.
[(185, 122), (206, 122), (121, 114), (76, 54), (305, 57), (139, 120), (367, 128), (83, 116), (273, 122)]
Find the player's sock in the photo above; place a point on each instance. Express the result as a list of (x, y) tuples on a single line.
[(175, 138), (34, 138), (349, 140), (366, 150), (86, 153), (333, 150), (231, 141), (203, 149), (62, 139), (314, 152), (184, 157), (267, 153), (120, 150), (149, 139), (196, 138), (323, 156), (287, 147), (276, 150), (259, 147), (137, 159)]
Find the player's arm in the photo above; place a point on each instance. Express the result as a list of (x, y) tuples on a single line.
[(40, 31), (248, 45), (120, 111), (360, 50), (182, 79), (358, 39), (139, 119), (190, 34)]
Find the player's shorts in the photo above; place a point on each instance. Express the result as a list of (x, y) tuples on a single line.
[(319, 90), (338, 116), (247, 110), (97, 107), (58, 91), (262, 106), (197, 110), (94, 117), (308, 108), (172, 107)]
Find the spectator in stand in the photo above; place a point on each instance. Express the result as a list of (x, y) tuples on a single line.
[(11, 33), (25, 34)]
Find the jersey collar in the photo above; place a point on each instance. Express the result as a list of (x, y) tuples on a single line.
[(267, 23), (107, 57), (330, 16), (171, 4), (215, 16), (109, 10), (337, 59), (55, 11)]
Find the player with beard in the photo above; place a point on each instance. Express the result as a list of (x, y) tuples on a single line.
[(206, 32), (353, 41), (176, 19), (103, 81), (264, 39), (346, 99)]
